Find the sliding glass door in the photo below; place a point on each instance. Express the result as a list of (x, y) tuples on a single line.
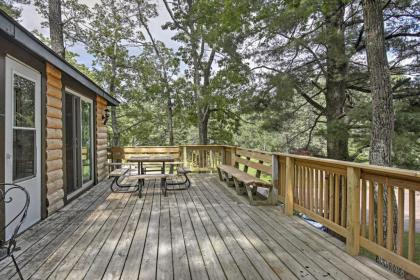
[(79, 141), (86, 141)]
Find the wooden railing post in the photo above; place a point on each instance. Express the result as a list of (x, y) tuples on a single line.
[(290, 178), (223, 155), (353, 196), (233, 156), (184, 156), (275, 164)]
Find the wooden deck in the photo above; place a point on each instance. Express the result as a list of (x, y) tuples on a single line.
[(207, 232)]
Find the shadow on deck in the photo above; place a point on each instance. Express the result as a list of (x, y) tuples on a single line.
[(204, 232)]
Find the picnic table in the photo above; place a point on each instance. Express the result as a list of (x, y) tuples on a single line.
[(151, 159)]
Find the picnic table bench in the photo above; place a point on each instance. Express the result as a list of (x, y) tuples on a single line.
[(245, 182), (122, 181)]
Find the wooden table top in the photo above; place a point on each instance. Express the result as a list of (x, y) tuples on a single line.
[(158, 158)]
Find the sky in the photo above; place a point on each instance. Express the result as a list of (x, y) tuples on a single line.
[(31, 20)]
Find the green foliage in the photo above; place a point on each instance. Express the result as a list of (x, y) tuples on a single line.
[(254, 72), (75, 18), (13, 7), (406, 146)]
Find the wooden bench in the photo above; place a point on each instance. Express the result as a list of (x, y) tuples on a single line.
[(247, 183)]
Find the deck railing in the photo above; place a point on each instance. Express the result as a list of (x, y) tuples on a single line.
[(338, 194)]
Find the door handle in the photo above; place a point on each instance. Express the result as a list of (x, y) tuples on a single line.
[(8, 156)]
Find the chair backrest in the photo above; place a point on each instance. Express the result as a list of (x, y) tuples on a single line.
[(19, 217)]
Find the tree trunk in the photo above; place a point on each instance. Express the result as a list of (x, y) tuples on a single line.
[(382, 105), (56, 27), (203, 121), (114, 126), (114, 121), (170, 122), (337, 130)]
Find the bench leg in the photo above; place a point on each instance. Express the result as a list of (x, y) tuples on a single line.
[(251, 192), (229, 181), (272, 196), (239, 186), (188, 182), (163, 186), (114, 181), (220, 174), (140, 185), (17, 267)]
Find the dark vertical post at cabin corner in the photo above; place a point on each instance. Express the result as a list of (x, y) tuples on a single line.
[(44, 190), (2, 136)]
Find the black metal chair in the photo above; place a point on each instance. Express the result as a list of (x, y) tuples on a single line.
[(7, 248)]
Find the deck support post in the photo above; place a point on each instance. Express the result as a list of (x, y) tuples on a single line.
[(353, 225), (275, 171), (223, 154), (233, 157), (275, 177), (290, 182)]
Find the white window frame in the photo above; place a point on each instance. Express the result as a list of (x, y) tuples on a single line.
[(13, 116)]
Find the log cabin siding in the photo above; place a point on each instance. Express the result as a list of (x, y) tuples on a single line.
[(54, 138), (101, 140)]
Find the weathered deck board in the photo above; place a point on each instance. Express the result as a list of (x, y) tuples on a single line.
[(294, 260), (181, 267), (206, 232)]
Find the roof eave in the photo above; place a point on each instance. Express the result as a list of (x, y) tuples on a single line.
[(22, 36)]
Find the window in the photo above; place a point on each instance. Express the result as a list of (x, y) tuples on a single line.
[(24, 131)]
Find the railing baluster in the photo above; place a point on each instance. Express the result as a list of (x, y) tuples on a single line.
[(400, 232), (321, 192), (296, 183), (331, 197), (337, 199), (411, 224), (390, 218), (326, 196), (363, 208), (311, 189), (316, 192), (301, 186), (344, 201), (371, 210), (307, 184), (380, 231)]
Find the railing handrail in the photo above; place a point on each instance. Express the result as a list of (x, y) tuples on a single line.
[(401, 173), (376, 169)]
